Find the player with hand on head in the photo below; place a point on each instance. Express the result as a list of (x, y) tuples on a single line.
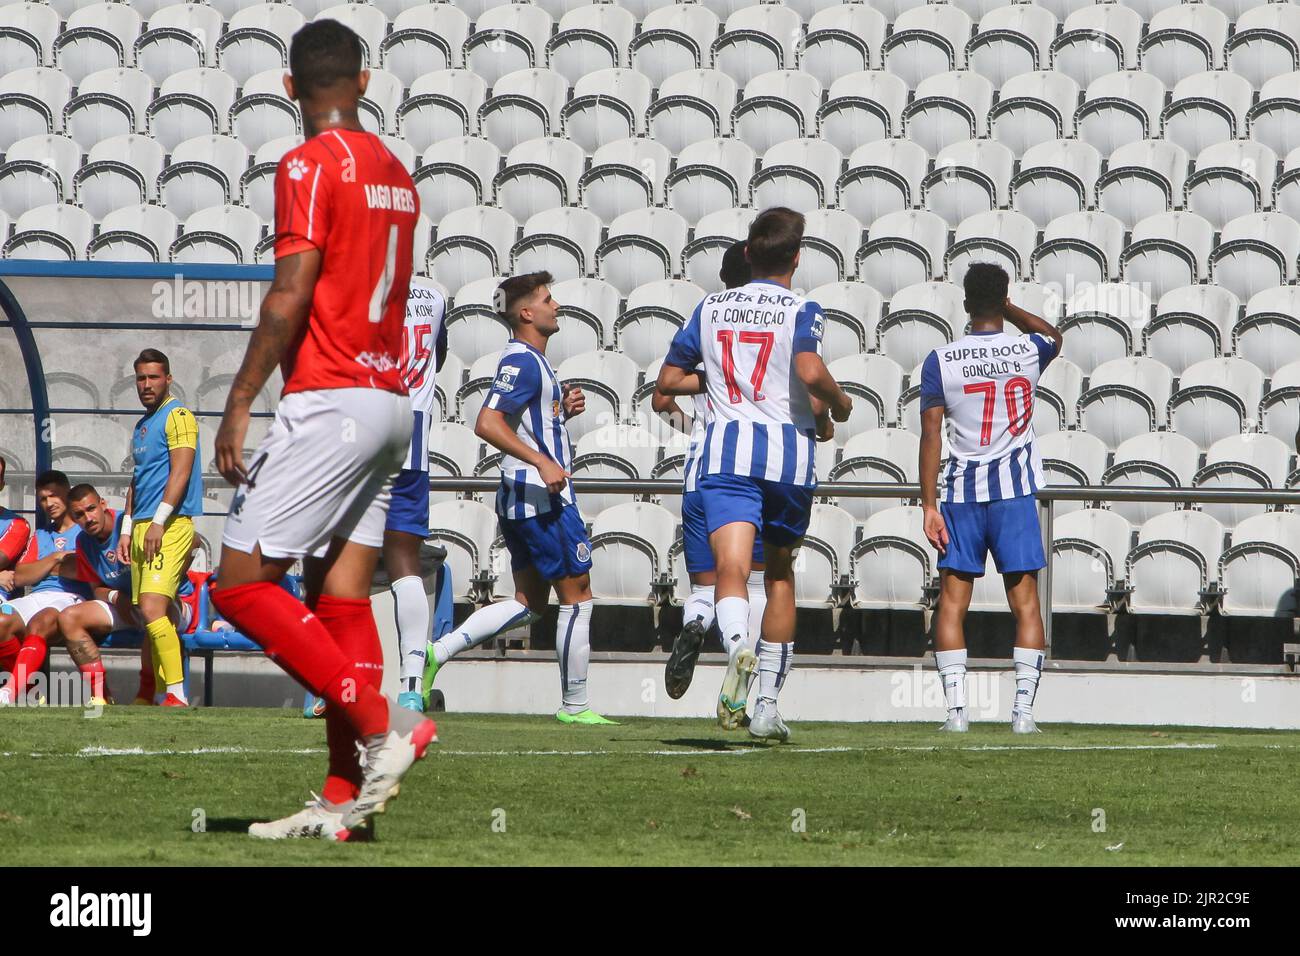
[(83, 625), (48, 569), (982, 386), (319, 484), (424, 348), (157, 536), (524, 418), (760, 346)]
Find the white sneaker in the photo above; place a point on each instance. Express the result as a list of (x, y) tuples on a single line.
[(735, 688), (386, 758), (320, 820), (957, 722), (1024, 724), (766, 724)]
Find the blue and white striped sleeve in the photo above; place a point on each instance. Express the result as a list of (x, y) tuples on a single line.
[(517, 383), (931, 382), (685, 352), (1046, 349)]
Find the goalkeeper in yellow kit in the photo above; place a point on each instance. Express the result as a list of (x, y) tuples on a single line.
[(158, 536)]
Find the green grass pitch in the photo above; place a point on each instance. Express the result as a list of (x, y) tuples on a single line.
[(133, 786)]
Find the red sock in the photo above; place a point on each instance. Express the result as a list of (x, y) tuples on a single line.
[(295, 639), (94, 677), (9, 655), (148, 679), (30, 658), (352, 626)]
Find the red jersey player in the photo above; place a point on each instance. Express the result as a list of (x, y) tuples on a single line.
[(318, 486)]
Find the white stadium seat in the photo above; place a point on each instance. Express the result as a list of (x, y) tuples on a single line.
[(852, 311), (97, 37), (1096, 40), (257, 38), (1274, 120), (1081, 247), (1057, 397), (823, 562), (562, 241), (1070, 458), (756, 40), (1004, 237), (508, 39), (204, 171), (714, 234), (881, 454), (474, 327), (1125, 397), (922, 317), (875, 383), (472, 243), (1055, 178), (654, 313), (538, 175), (970, 177), (948, 108), (1191, 323), (615, 450), (32, 101), (425, 38), (456, 173), (692, 106), (630, 544), (644, 245), (608, 380), (1012, 39), (1256, 252), (893, 564), (1216, 398), (589, 39), (27, 34), (1103, 322), (466, 529), (1268, 335), (218, 234), (1207, 108), (607, 106), (777, 106), (862, 108), (1259, 569), (1231, 179), (625, 175), (673, 39), (59, 231), (882, 177), (192, 103), (927, 40), (141, 233), (179, 37), (1120, 108), (1158, 459), (843, 39), (1175, 561), (108, 103), (1243, 461), (1184, 40), (1264, 43), (587, 308), (38, 170), (119, 172), (441, 105), (710, 176), (1089, 548), (1141, 179), (524, 105), (1168, 251), (800, 174)]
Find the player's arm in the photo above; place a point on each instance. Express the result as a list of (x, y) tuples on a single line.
[(182, 448), (932, 411), (284, 312), (674, 380), (124, 536), (514, 388), (679, 374), (1031, 324), (821, 385), (32, 569), (666, 407), (822, 414), (13, 542)]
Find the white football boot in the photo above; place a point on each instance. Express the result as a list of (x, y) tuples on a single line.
[(319, 820), (957, 722), (386, 757)]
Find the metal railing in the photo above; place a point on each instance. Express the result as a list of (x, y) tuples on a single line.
[(864, 489)]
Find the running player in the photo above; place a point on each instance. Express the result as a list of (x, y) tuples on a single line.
[(524, 418), (424, 347), (319, 485), (48, 570), (983, 385), (761, 350), (697, 614), (98, 565), (166, 494), (14, 532)]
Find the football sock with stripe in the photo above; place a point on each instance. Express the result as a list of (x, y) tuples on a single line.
[(411, 609), (30, 658), (774, 663), (952, 671), (733, 623), (573, 648), (93, 677), (166, 645), (1029, 668), (478, 627), (699, 606), (297, 640), (757, 604)]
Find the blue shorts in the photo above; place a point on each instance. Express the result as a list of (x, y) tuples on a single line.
[(555, 543), (779, 511), (409, 509), (1008, 528), (695, 536)]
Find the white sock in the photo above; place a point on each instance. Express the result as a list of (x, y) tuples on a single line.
[(178, 690), (573, 648), (699, 605), (411, 610), (1029, 667), (733, 623), (952, 671), (478, 627), (757, 604), (774, 662)]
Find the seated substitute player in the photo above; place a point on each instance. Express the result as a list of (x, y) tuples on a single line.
[(524, 417), (424, 348), (319, 484), (982, 386), (697, 614), (14, 532), (83, 625), (48, 569), (166, 494), (761, 350)]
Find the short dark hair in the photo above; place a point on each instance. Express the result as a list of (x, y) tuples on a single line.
[(152, 357), (986, 288), (735, 270), (322, 53), (516, 288), (82, 490), (51, 477), (774, 238)]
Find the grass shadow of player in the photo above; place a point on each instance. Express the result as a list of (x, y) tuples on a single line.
[(230, 824), (710, 744)]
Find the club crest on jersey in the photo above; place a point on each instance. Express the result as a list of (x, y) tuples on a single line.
[(555, 409), (60, 543), (506, 378), (583, 552), (297, 169)]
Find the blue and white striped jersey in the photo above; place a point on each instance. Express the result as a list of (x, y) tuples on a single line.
[(528, 393), (691, 472), (761, 423), (424, 347), (985, 381)]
